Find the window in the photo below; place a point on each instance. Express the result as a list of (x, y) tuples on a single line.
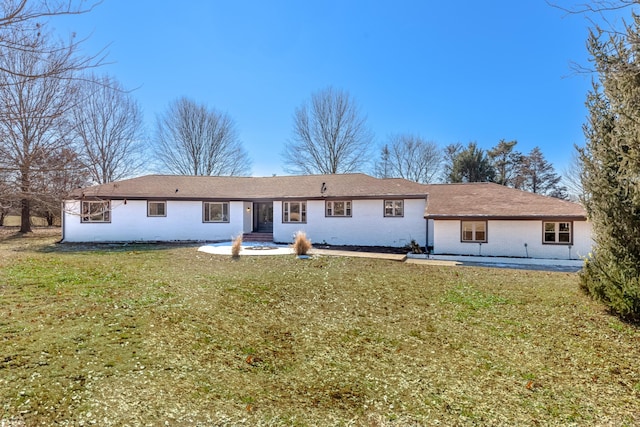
[(294, 211), (156, 208), (216, 211), (96, 211), (557, 232), (338, 208), (393, 208), (474, 231)]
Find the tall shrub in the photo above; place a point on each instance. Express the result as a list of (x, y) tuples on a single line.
[(611, 172)]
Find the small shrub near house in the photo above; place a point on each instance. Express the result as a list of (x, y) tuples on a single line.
[(301, 244), (415, 248)]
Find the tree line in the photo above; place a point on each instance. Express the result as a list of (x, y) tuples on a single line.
[(63, 126), (330, 135)]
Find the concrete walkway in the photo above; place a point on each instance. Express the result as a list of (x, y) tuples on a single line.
[(568, 265), (257, 248), (357, 254)]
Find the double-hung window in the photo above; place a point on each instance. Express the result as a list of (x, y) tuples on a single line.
[(215, 211), (156, 208), (338, 208), (294, 211), (558, 232), (474, 231), (394, 208), (96, 211)]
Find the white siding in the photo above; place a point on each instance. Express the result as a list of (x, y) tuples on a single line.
[(367, 226), (129, 222), (508, 238)]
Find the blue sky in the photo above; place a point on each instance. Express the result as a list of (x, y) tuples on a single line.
[(447, 71)]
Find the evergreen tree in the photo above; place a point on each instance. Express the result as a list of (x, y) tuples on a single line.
[(611, 172), (506, 162), (537, 175), (450, 153), (471, 165), (382, 168)]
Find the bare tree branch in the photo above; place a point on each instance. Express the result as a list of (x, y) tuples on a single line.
[(595, 6), (22, 22)]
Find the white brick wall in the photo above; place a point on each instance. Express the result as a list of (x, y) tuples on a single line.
[(129, 222), (508, 238), (367, 226)]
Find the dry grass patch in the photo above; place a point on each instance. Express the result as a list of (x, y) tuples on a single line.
[(136, 335)]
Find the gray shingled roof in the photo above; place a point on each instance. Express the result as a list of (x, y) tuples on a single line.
[(444, 201)]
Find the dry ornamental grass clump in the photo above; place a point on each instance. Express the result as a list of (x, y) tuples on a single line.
[(301, 244), (236, 246)]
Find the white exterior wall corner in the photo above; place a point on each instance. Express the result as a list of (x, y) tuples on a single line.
[(130, 223), (366, 227), (507, 238)]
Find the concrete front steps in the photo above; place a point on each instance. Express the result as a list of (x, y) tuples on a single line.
[(258, 237)]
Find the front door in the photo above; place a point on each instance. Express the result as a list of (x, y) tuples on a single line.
[(263, 217)]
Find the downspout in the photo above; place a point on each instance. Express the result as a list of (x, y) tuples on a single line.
[(426, 242), (62, 222)]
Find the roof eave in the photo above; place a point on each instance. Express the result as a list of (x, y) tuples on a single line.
[(550, 217)]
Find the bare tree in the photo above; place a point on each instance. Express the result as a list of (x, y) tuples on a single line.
[(329, 135), (21, 20), (34, 121), (572, 178), (410, 157), (7, 194), (192, 139), (62, 172), (108, 128)]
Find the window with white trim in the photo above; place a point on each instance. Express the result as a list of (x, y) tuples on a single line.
[(294, 211), (394, 208), (215, 211), (473, 231), (558, 232), (96, 211), (156, 208), (338, 208)]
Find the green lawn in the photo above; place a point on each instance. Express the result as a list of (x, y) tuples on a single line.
[(144, 335)]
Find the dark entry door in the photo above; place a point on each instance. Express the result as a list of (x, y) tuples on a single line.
[(263, 217)]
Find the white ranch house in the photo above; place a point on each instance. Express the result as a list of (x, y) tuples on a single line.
[(352, 209)]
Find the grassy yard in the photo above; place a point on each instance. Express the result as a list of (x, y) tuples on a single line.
[(134, 335)]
